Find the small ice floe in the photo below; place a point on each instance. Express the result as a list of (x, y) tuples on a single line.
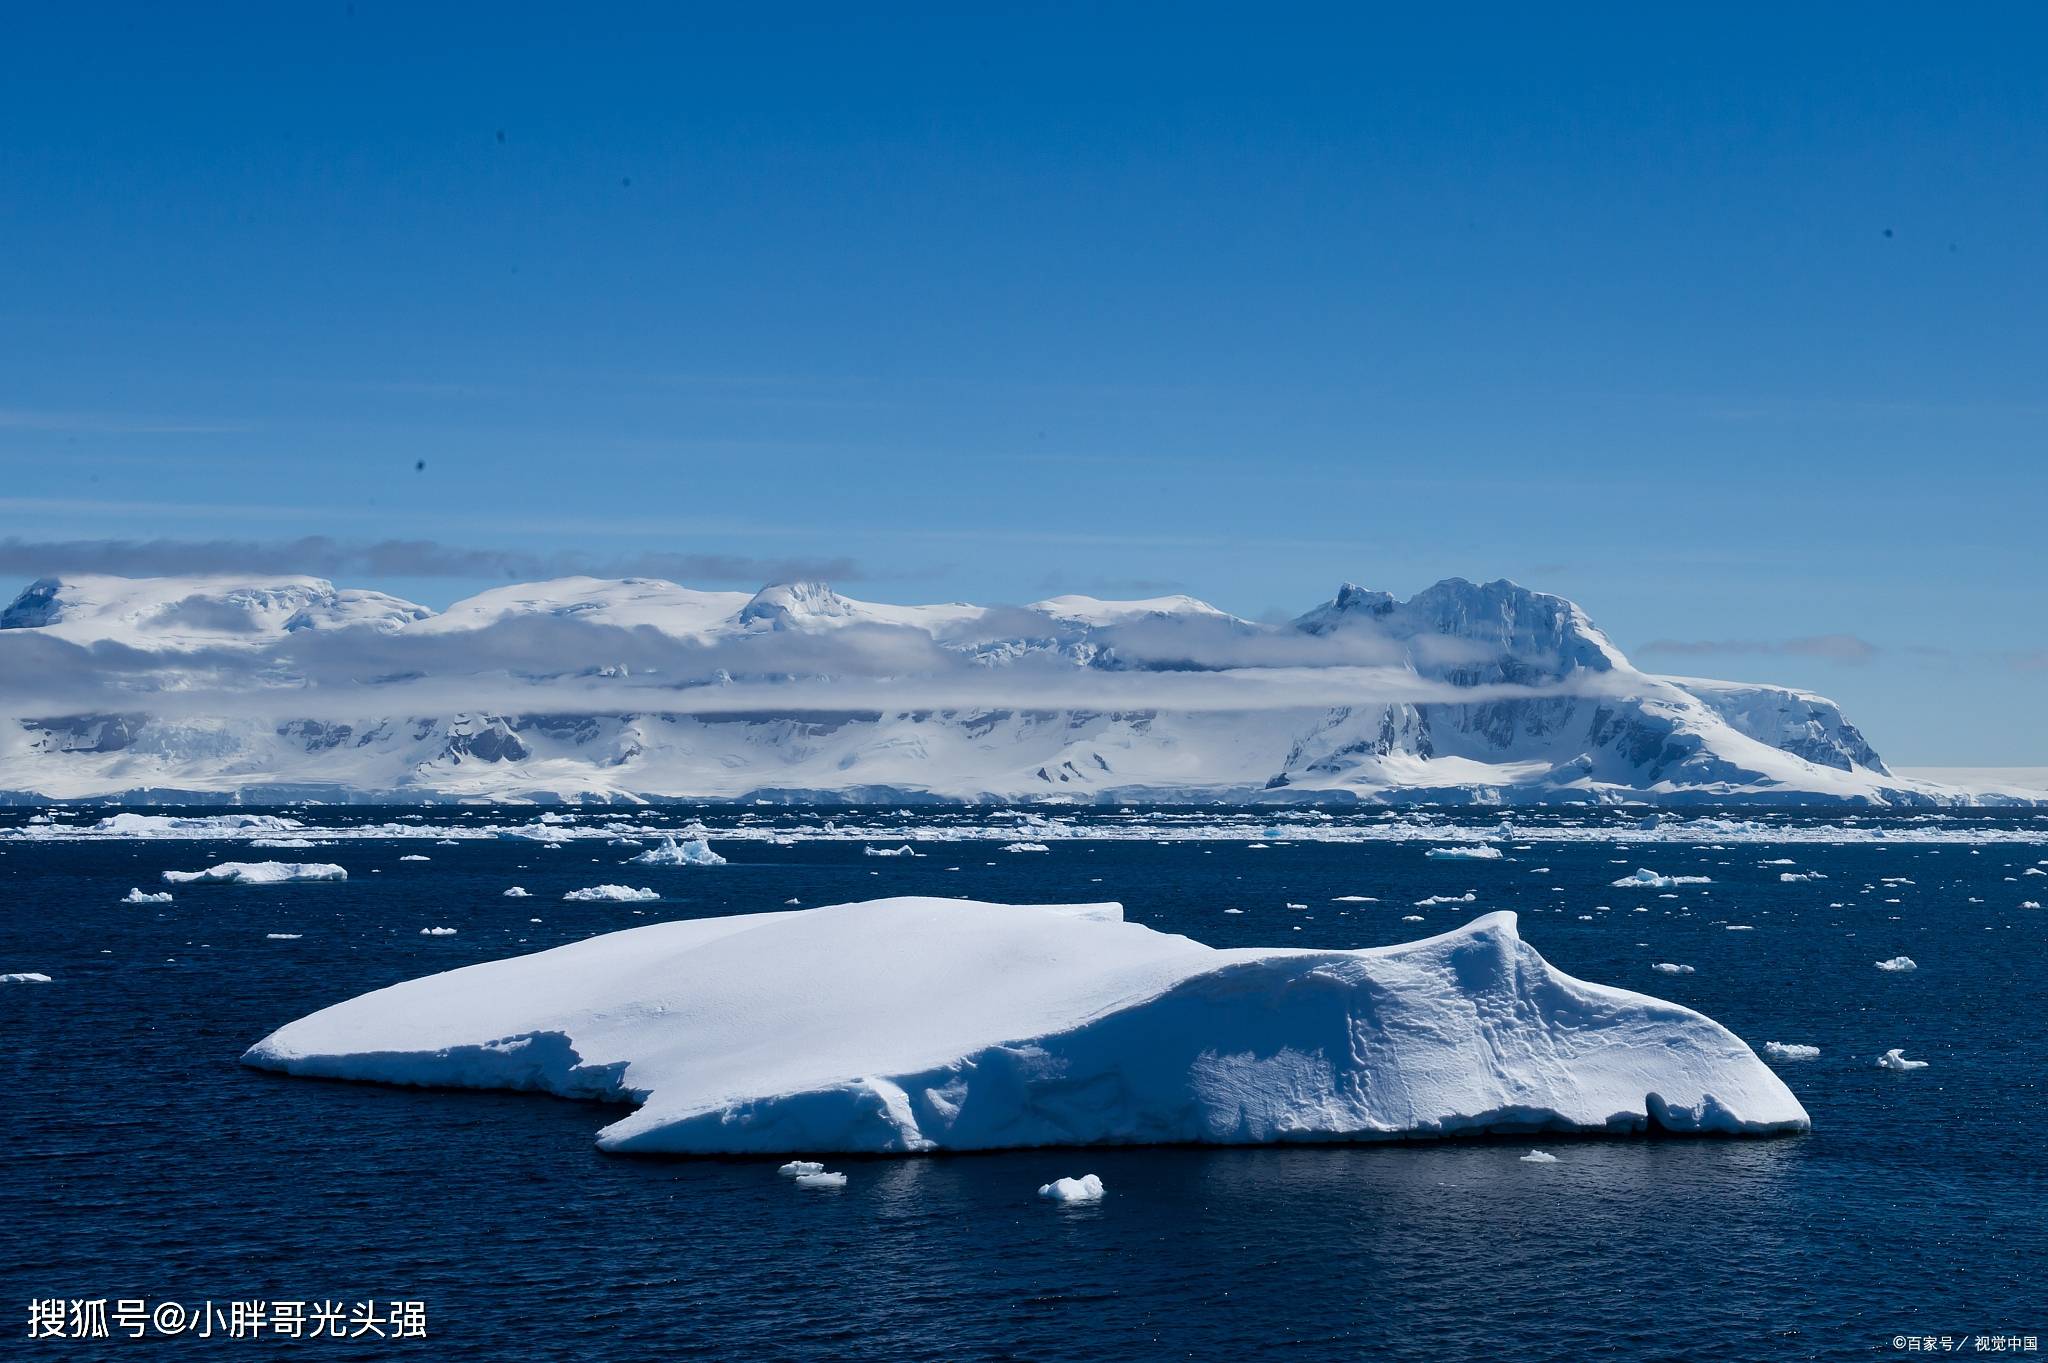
[(1779, 861), (138, 896), (1354, 899), (1899, 963), (1671, 968), (1793, 877), (611, 894), (414, 856), (437, 932), (694, 852), (1477, 852), (904, 851), (516, 892), (1539, 1157), (282, 936), (1779, 1050), (797, 1167), (1413, 918), (1233, 910), (821, 1179), (1739, 927), (1255, 847), (25, 977), (258, 873), (1649, 878), (2030, 903), (1025, 847), (1292, 905), (290, 844), (1087, 1188), (1895, 1059), (1466, 898)]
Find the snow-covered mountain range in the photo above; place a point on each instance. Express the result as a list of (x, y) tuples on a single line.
[(579, 688)]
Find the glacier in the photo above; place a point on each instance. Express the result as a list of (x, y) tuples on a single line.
[(910, 1025), (191, 690)]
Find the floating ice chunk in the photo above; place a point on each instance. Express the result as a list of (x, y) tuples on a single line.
[(1779, 1050), (1292, 905), (516, 892), (140, 896), (1539, 1157), (1466, 898), (1792, 877), (258, 873), (821, 1180), (1354, 899), (694, 852), (2030, 903), (187, 826), (798, 1167), (1087, 1188), (282, 936), (919, 1024), (1233, 910), (904, 851), (1899, 963), (1481, 852), (1412, 918), (1778, 861), (1740, 927), (25, 977), (437, 932), (1651, 879), (1895, 1059), (1025, 847), (611, 894), (1669, 968), (414, 856), (289, 844)]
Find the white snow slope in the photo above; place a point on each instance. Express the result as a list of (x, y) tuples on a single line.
[(582, 688), (903, 1025)]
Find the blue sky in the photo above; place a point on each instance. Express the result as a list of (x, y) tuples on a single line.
[(1727, 324)]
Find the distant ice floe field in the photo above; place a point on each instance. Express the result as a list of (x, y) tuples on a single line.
[(909, 1025), (681, 836)]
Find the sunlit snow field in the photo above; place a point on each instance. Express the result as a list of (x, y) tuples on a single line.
[(142, 1160)]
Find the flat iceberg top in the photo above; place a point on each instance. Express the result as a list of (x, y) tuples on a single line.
[(917, 1024)]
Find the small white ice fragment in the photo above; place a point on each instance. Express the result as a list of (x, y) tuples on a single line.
[(1779, 1050), (1087, 1188), (437, 932), (1655, 881), (1895, 1059), (516, 892), (138, 896), (821, 1180), (1538, 1157), (904, 851), (612, 894), (1480, 852), (1026, 847), (25, 977), (1671, 968), (798, 1167), (414, 856), (695, 852), (1899, 963)]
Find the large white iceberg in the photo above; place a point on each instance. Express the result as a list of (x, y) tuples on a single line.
[(259, 873), (919, 1024)]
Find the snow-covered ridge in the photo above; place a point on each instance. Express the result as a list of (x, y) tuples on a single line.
[(1008, 1025), (639, 688)]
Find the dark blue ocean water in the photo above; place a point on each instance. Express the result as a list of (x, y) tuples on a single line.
[(140, 1160)]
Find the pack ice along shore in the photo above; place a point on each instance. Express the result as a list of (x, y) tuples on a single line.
[(193, 689), (911, 1025)]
